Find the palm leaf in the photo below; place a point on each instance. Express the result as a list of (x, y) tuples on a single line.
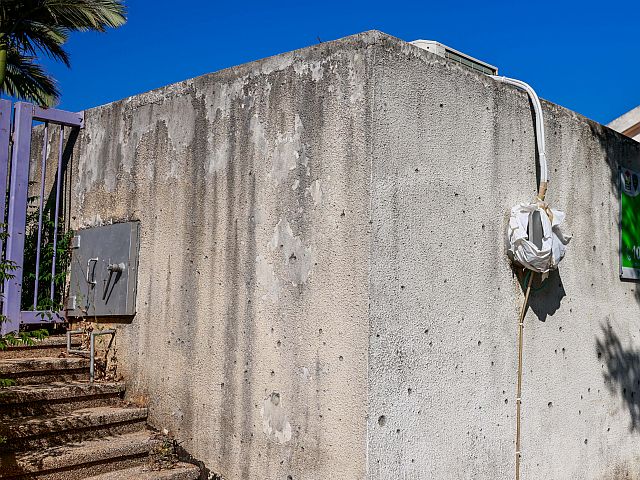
[(84, 14), (35, 36), (30, 27), (27, 80)]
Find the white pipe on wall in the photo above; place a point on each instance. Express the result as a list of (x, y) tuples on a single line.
[(537, 107)]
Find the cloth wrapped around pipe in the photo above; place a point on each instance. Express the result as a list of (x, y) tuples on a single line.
[(523, 251)]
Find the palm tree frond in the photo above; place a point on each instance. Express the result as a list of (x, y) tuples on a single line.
[(28, 80), (34, 37), (85, 14), (32, 27)]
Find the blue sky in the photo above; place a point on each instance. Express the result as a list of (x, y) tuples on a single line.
[(583, 55)]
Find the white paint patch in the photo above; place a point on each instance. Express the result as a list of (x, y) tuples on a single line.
[(315, 190), (95, 221), (295, 185), (174, 111), (275, 424), (297, 258), (356, 79), (258, 137), (267, 280), (220, 157), (224, 96), (180, 125), (288, 150), (316, 69), (178, 415), (88, 169), (306, 374)]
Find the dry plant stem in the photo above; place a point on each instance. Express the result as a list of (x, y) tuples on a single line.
[(519, 392), (542, 191)]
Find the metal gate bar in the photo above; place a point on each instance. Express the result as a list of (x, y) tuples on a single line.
[(5, 138), (45, 142), (24, 115), (55, 228)]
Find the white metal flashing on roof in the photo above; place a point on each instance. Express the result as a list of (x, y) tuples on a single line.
[(456, 55)]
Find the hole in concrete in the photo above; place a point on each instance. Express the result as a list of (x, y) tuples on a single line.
[(382, 420)]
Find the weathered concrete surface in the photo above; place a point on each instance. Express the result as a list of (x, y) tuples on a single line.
[(323, 285), (251, 186), (453, 151)]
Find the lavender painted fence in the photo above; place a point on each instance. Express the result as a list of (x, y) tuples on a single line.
[(24, 116)]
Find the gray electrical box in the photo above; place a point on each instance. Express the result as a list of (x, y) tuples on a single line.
[(104, 271)]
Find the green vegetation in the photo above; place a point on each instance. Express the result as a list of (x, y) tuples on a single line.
[(32, 27), (17, 338), (63, 258)]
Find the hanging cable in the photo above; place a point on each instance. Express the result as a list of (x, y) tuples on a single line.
[(542, 190)]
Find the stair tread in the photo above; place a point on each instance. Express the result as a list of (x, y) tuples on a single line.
[(181, 471), (27, 365), (75, 454), (48, 342), (17, 427), (56, 391)]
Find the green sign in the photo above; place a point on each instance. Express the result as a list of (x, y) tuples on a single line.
[(629, 224)]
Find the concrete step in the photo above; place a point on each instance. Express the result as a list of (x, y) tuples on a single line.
[(29, 370), (180, 471), (49, 347), (57, 397), (83, 424), (78, 460)]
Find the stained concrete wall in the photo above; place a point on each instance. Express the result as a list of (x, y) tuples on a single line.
[(324, 290), (453, 151), (251, 186)]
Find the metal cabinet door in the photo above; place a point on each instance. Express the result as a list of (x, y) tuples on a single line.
[(104, 267)]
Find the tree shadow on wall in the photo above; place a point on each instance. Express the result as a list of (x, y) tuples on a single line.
[(622, 371), (620, 152)]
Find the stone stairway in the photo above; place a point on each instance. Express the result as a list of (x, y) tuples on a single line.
[(58, 426)]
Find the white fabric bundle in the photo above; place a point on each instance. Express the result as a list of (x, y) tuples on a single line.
[(523, 251)]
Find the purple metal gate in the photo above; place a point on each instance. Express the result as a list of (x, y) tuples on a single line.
[(17, 177)]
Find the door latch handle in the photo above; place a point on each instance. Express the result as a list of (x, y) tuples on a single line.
[(93, 272), (116, 267)]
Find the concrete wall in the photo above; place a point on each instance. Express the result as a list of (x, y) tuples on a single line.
[(453, 151), (251, 186), (324, 290)]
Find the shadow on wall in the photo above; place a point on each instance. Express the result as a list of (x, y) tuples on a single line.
[(622, 374), (545, 297), (621, 365), (618, 154)]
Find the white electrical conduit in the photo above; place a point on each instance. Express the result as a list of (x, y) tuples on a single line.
[(537, 107), (541, 194)]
